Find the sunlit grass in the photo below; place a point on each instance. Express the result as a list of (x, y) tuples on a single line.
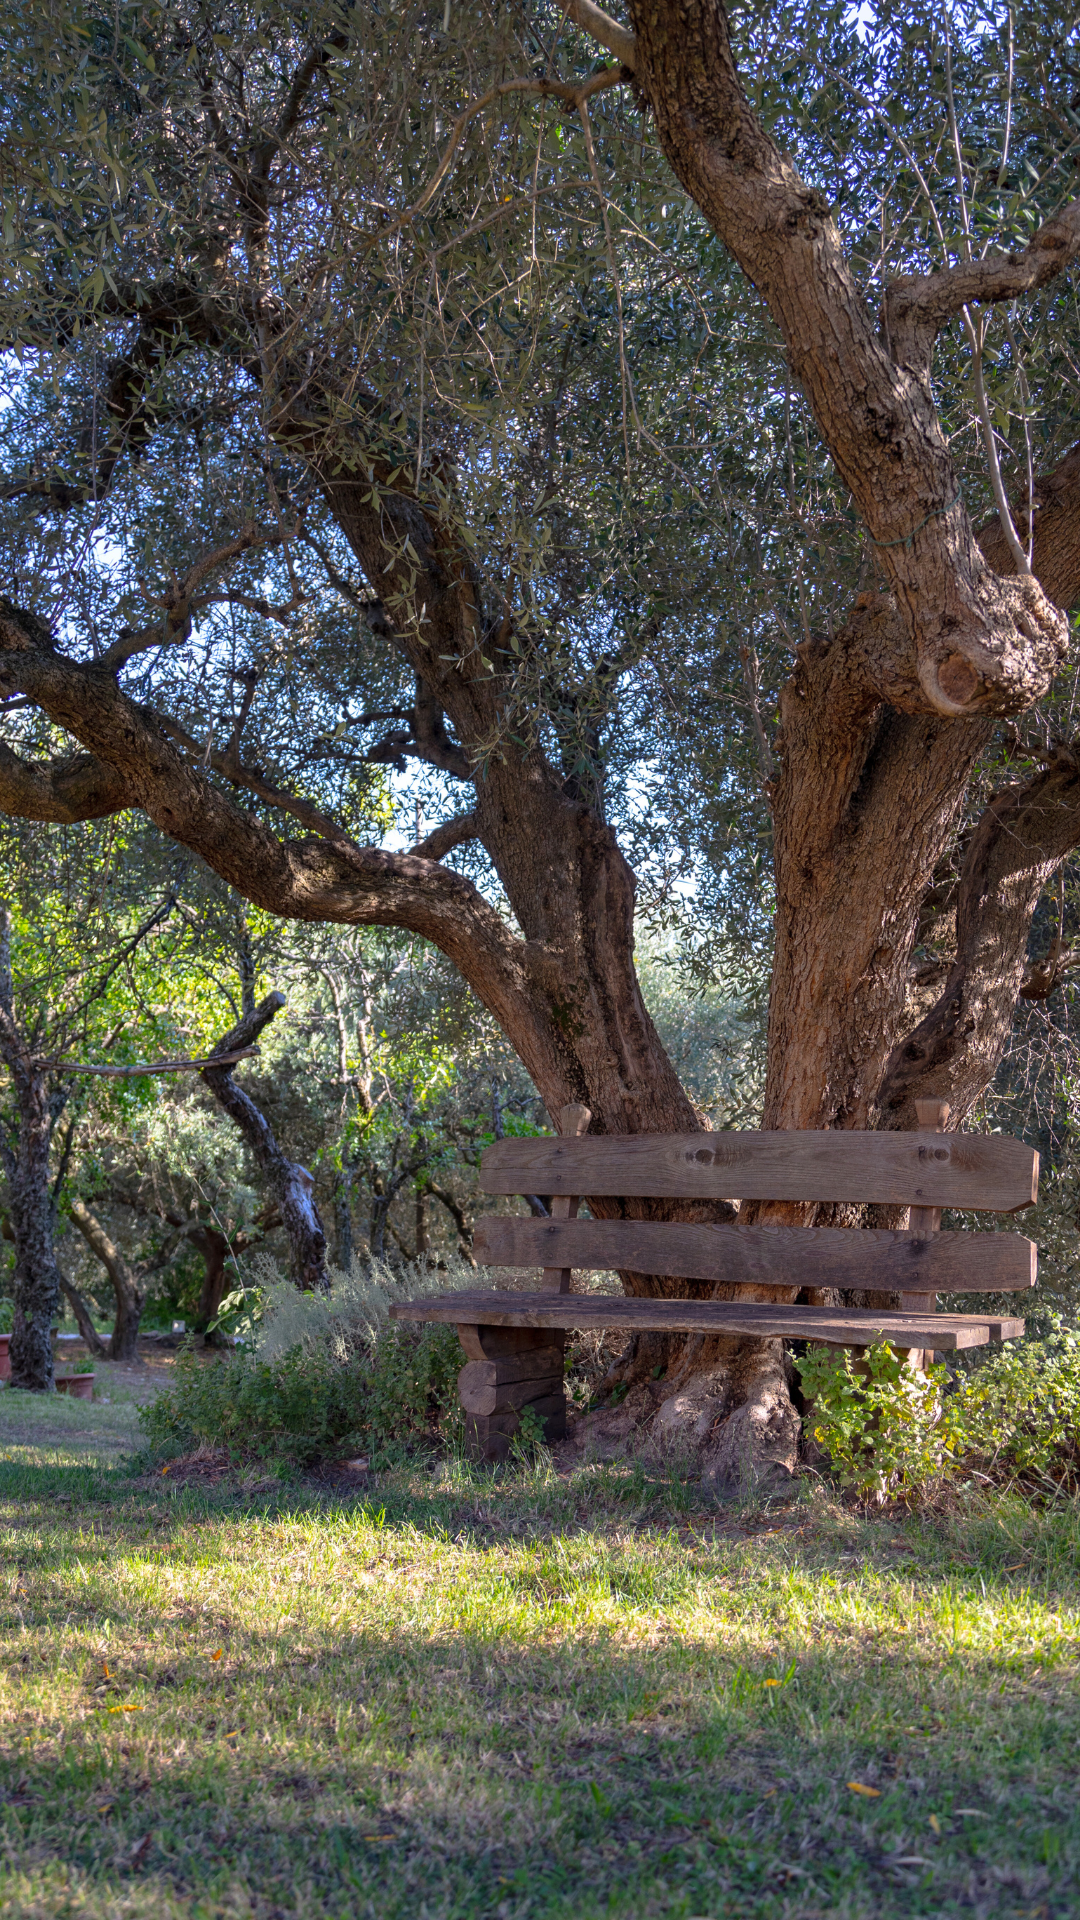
[(529, 1697)]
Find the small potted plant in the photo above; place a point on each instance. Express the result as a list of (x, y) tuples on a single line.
[(77, 1386)]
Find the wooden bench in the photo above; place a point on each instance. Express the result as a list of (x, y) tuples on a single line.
[(514, 1341)]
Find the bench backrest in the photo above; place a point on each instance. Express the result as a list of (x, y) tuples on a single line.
[(961, 1170)]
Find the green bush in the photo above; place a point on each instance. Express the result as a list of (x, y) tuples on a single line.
[(882, 1423), (1020, 1411), (890, 1430), (318, 1375), (302, 1405)]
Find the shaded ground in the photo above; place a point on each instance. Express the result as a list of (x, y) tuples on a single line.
[(104, 1428), (536, 1696)]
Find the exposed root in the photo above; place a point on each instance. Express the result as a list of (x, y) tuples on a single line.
[(723, 1405)]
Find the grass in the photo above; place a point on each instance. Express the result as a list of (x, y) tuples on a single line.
[(534, 1698)]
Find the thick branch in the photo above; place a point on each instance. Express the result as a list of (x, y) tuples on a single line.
[(1023, 835), (916, 307), (982, 643), (328, 879), (74, 787), (593, 20), (1055, 555), (453, 833)]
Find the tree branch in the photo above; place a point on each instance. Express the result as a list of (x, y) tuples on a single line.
[(453, 833), (983, 643), (1021, 837), (291, 1185), (74, 787), (600, 25), (916, 307)]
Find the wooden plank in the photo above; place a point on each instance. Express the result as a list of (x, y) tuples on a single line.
[(905, 1169), (834, 1326), (480, 1393), (490, 1436), (493, 1343), (933, 1117), (765, 1256), (541, 1363)]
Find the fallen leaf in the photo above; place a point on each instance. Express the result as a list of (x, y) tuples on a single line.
[(872, 1793), (975, 1813), (165, 1468), (218, 1654), (139, 1851), (935, 1823), (124, 1709)]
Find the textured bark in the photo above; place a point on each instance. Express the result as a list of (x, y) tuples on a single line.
[(129, 1295), (982, 643), (215, 1251), (36, 1284), (1019, 842), (291, 1185), (95, 1345)]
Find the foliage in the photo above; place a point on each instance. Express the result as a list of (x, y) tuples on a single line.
[(322, 1373), (1020, 1411), (891, 1430), (880, 1421)]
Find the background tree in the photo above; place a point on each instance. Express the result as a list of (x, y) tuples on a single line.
[(344, 312)]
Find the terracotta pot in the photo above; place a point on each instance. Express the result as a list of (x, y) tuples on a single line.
[(5, 1356), (77, 1386)]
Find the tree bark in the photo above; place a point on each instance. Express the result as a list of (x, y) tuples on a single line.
[(291, 1185), (31, 1205), (95, 1345), (130, 1297), (215, 1250)]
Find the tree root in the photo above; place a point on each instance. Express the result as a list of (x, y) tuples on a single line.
[(723, 1406)]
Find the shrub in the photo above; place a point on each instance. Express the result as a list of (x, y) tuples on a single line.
[(1020, 1411), (888, 1429), (318, 1374), (882, 1423)]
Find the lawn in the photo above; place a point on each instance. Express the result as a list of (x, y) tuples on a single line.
[(541, 1696)]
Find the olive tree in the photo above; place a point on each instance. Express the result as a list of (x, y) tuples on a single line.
[(534, 399)]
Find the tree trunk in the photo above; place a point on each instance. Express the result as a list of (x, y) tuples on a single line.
[(215, 1251), (130, 1297), (95, 1345), (291, 1185), (343, 1225), (31, 1205)]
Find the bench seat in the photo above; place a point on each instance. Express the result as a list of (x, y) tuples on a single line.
[(832, 1326)]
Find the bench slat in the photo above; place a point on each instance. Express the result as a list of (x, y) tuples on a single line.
[(765, 1256), (906, 1169), (590, 1310)]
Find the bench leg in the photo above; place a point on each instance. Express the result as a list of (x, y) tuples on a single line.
[(510, 1369)]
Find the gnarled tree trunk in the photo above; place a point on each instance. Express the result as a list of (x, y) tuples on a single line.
[(290, 1185)]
